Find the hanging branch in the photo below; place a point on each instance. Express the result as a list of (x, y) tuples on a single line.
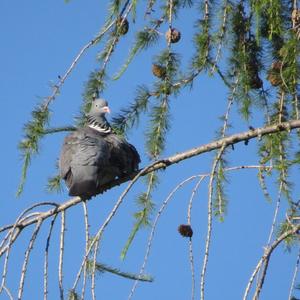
[(273, 222), (46, 258), (61, 253), (265, 259), (87, 239), (275, 214), (26, 259), (8, 293), (14, 232), (189, 222), (209, 219), (294, 276)]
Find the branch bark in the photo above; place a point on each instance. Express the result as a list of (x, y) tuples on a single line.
[(163, 164), (265, 259)]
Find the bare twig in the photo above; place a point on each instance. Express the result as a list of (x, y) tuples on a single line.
[(294, 275), (61, 255), (5, 239), (275, 213), (209, 220), (191, 257), (265, 259), (273, 222), (46, 258), (189, 221), (8, 293), (15, 230), (87, 237), (229, 105), (26, 259)]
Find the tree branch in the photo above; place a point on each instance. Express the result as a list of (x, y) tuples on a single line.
[(265, 259), (163, 164), (58, 129)]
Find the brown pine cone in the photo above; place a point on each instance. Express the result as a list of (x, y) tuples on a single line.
[(274, 73), (185, 230), (158, 71), (122, 25), (173, 35)]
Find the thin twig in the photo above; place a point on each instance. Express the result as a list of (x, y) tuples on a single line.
[(8, 293), (6, 237), (221, 37), (209, 220), (273, 222), (61, 255), (229, 105), (275, 213), (14, 232), (87, 237), (46, 258), (26, 259), (93, 287), (265, 259), (189, 221), (191, 258), (294, 276)]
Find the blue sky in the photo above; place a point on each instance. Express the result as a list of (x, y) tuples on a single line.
[(39, 41)]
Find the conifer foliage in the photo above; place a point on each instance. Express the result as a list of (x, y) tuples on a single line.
[(253, 47)]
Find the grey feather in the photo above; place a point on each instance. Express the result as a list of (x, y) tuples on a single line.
[(93, 155)]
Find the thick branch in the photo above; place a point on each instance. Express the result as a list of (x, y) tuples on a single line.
[(164, 163)]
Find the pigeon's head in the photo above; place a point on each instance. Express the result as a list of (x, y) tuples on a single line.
[(99, 108), (96, 116)]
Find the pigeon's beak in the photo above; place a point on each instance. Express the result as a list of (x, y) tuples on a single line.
[(106, 109)]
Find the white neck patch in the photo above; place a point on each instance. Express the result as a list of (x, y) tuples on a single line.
[(100, 129)]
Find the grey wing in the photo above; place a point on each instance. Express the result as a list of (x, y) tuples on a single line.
[(80, 151), (66, 156), (124, 156)]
